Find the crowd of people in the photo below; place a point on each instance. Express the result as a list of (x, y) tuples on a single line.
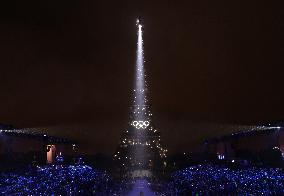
[(205, 179), (61, 180), (221, 180)]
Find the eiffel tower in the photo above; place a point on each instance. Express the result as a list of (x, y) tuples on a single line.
[(140, 146)]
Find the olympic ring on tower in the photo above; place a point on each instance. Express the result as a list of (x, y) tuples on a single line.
[(140, 124)]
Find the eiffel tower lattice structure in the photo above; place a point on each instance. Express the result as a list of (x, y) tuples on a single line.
[(140, 150)]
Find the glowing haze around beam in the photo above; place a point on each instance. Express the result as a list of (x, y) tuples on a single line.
[(140, 86)]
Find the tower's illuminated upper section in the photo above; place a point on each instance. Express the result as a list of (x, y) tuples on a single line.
[(141, 113)]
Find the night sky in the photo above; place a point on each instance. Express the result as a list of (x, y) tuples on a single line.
[(69, 66)]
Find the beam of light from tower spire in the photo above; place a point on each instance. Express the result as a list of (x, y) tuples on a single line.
[(140, 91)]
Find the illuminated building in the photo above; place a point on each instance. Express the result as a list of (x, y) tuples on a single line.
[(50, 154), (28, 145), (140, 150), (251, 142)]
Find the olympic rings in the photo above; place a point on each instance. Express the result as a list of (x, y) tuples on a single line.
[(140, 124)]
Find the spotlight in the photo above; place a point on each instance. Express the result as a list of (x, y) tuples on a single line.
[(139, 22)]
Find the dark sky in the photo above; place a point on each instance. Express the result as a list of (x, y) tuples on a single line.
[(70, 65)]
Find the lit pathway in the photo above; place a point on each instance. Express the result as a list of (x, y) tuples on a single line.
[(141, 188)]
